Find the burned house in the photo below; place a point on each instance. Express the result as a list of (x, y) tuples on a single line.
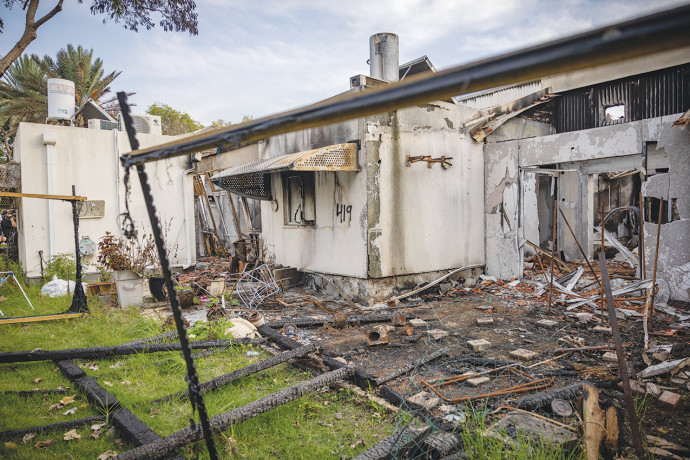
[(579, 143), (386, 202)]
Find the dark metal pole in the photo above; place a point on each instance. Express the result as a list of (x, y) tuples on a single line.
[(622, 365), (196, 397), (78, 298)]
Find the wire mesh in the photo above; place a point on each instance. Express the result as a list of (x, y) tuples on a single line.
[(255, 285)]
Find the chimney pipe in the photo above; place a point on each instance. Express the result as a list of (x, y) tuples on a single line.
[(383, 57)]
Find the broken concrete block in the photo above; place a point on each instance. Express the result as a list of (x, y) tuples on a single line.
[(670, 398), (437, 334), (523, 355), (479, 344), (425, 400), (478, 380), (547, 323), (653, 389), (584, 317), (485, 321), (417, 323), (610, 357), (604, 329)]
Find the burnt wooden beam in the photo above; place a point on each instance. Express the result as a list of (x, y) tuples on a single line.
[(61, 426), (225, 420), (410, 366), (241, 373), (118, 350)]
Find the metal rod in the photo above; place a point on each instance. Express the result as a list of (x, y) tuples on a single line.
[(639, 37), (196, 397), (622, 365), (553, 250), (580, 247)]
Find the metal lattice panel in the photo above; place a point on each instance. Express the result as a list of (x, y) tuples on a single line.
[(338, 157), (257, 185)]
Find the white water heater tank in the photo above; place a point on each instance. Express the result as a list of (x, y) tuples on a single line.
[(61, 100)]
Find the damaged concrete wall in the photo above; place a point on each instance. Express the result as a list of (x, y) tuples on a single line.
[(89, 159), (420, 218), (336, 243), (577, 156), (673, 273), (503, 258)]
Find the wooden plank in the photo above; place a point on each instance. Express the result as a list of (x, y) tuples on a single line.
[(43, 196), (33, 319)]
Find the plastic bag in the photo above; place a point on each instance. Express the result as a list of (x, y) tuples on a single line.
[(58, 288)]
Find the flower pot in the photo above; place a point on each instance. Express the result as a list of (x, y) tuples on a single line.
[(130, 288), (157, 288)]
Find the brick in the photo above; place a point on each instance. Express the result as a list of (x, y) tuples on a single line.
[(437, 334), (479, 344), (425, 400), (670, 398), (484, 307), (478, 380), (523, 355), (547, 323), (485, 321), (610, 357), (604, 329), (417, 322)]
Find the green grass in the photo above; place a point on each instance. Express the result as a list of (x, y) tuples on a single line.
[(522, 446), (325, 424)]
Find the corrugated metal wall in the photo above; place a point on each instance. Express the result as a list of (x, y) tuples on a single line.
[(494, 97), (649, 95)]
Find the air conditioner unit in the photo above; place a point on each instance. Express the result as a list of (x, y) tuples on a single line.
[(143, 123), (95, 123)]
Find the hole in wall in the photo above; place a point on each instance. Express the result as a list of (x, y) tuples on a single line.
[(668, 214), (615, 113)]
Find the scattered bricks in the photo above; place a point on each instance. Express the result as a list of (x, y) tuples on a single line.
[(523, 355), (417, 323), (425, 400), (610, 357), (604, 329), (653, 389), (475, 382), (485, 321), (669, 398), (437, 334), (547, 323), (479, 344)]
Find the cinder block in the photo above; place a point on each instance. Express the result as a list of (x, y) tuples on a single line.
[(417, 323), (523, 355), (479, 344)]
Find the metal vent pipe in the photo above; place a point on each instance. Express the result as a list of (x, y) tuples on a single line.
[(384, 57)]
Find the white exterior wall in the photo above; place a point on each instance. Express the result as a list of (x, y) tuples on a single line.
[(423, 219), (330, 246), (89, 159)]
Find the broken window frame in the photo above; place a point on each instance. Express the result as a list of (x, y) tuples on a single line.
[(299, 198)]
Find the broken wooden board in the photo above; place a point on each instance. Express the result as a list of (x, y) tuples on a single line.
[(601, 427)]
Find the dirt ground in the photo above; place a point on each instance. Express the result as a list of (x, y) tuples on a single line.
[(512, 311)]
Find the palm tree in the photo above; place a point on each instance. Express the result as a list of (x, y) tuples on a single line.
[(77, 64), (23, 87)]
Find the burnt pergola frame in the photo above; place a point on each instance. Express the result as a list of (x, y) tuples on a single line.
[(635, 38)]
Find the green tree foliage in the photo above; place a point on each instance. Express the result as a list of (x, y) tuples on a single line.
[(177, 15), (174, 122), (23, 88), (220, 123)]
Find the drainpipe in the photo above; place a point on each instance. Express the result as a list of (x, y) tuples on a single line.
[(188, 222), (49, 140)]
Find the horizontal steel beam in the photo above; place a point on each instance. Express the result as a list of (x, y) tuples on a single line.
[(639, 37)]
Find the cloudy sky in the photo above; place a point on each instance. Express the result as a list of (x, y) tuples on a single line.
[(258, 57)]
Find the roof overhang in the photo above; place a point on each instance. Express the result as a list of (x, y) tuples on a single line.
[(253, 179)]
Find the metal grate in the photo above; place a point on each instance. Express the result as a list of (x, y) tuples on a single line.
[(257, 185)]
